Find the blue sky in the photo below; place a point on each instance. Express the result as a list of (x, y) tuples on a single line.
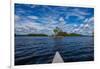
[(30, 18)]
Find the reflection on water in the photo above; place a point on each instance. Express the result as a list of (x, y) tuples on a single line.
[(41, 50)]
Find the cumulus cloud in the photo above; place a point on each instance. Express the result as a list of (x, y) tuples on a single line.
[(78, 11), (32, 17), (87, 27), (51, 18)]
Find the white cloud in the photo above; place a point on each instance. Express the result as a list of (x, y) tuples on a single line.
[(28, 26), (32, 17), (78, 11), (17, 18), (87, 27)]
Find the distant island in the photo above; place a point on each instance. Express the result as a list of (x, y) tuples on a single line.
[(31, 35), (57, 32), (60, 34)]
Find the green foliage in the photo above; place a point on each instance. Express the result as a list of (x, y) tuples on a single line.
[(37, 35), (66, 34), (59, 32)]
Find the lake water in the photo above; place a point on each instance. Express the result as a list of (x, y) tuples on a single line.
[(41, 50)]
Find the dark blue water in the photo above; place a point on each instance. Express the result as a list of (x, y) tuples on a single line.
[(41, 50)]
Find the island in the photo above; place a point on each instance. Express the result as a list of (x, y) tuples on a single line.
[(57, 33)]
